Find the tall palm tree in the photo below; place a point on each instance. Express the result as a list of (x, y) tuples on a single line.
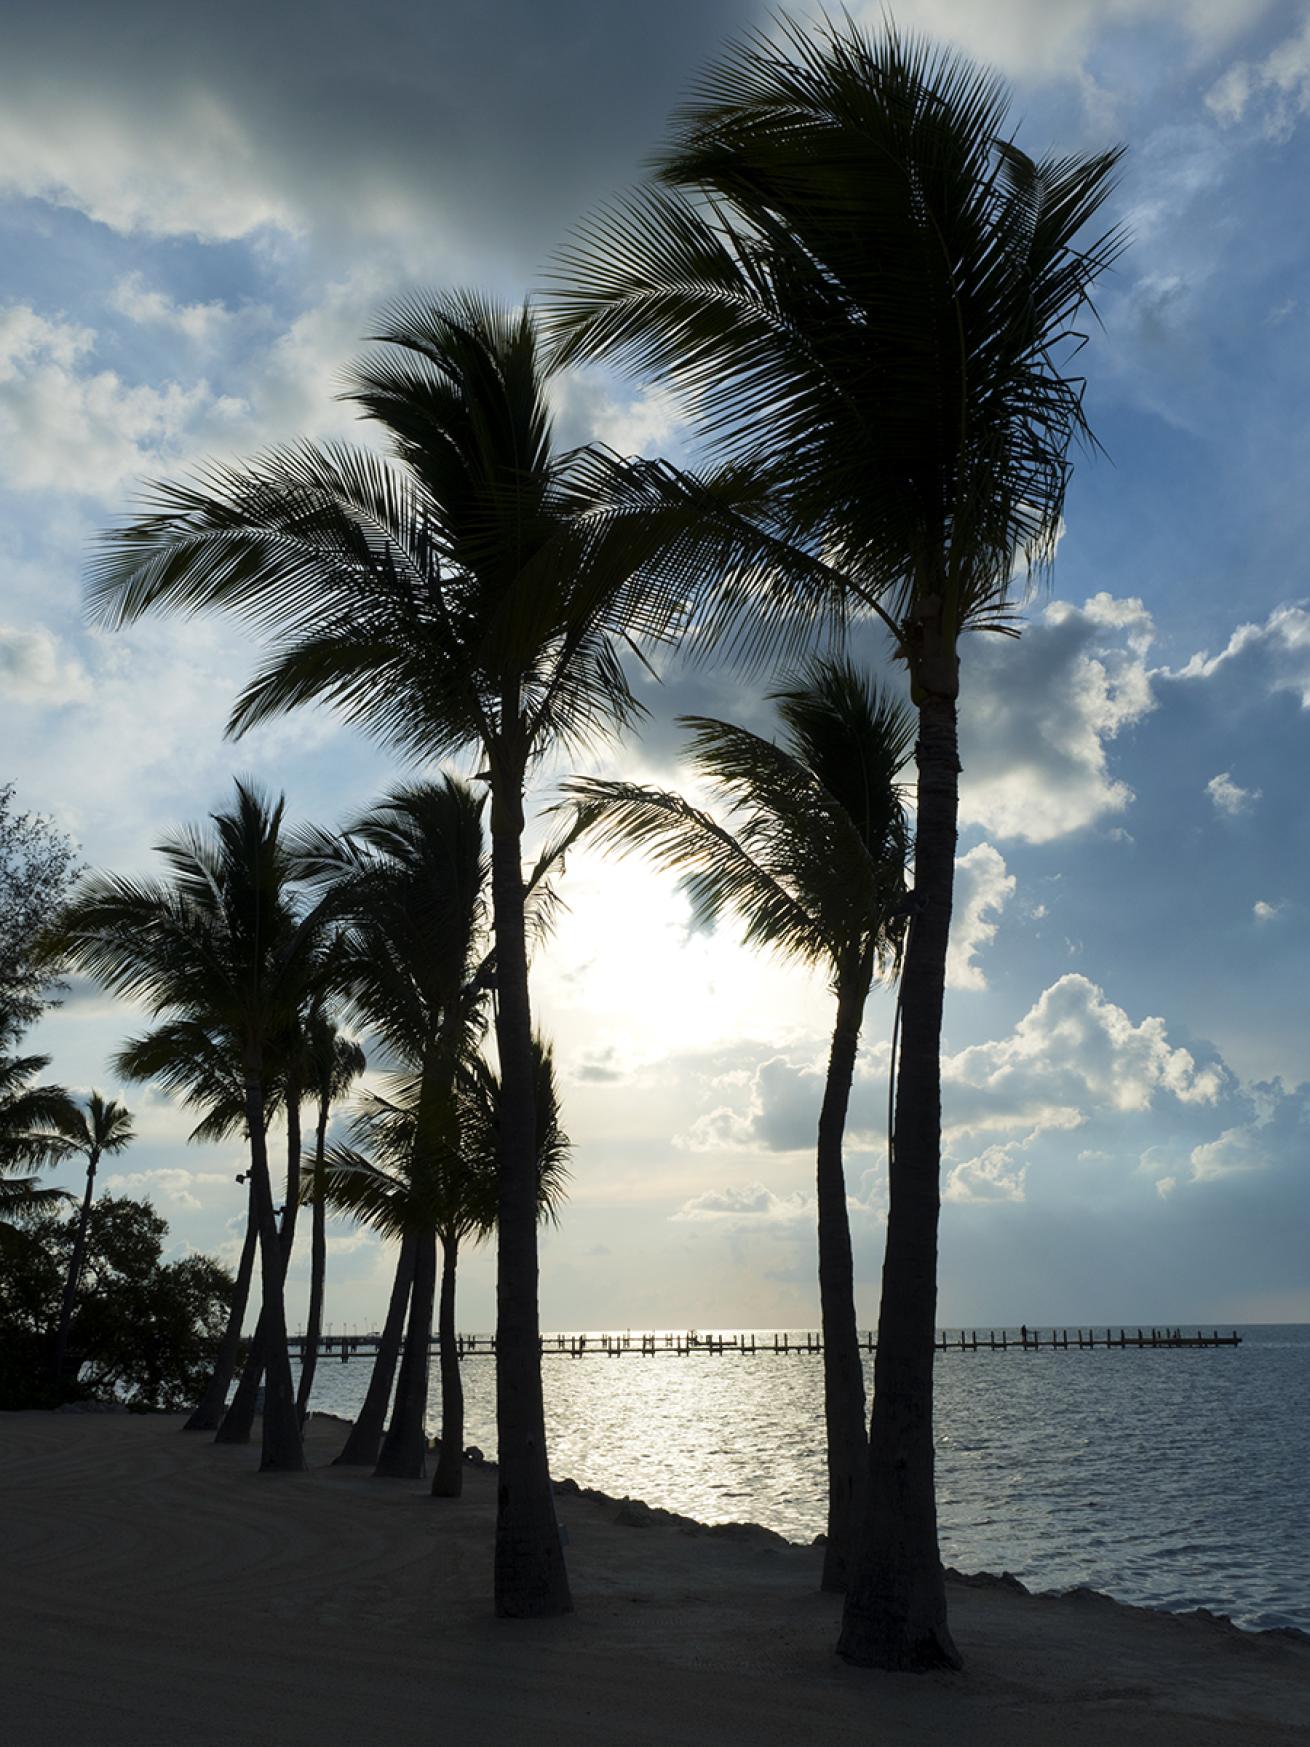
[(223, 942), (204, 1070), (469, 594), (34, 1122), (333, 1064), (103, 1127), (815, 868), (867, 294), (408, 881)]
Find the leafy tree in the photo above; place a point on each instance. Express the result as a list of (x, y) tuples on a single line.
[(38, 863), (814, 865), (103, 1127), (221, 943), (867, 294), (470, 594), (143, 1330)]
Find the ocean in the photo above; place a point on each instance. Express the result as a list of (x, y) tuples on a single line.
[(1174, 1479)]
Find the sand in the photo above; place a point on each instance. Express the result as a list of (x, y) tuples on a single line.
[(156, 1589)]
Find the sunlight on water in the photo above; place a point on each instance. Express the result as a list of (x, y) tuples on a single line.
[(1175, 1479)]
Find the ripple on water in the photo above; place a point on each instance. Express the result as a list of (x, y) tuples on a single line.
[(1189, 1464)]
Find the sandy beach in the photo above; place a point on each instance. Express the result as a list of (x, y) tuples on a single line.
[(156, 1589)]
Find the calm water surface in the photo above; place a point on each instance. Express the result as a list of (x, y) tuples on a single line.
[(1176, 1479)]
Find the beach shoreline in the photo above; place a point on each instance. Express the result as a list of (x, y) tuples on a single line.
[(160, 1589)]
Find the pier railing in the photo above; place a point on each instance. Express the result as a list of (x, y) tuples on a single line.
[(788, 1343)]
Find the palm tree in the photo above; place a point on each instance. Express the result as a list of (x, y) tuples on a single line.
[(470, 594), (333, 1064), (408, 1189), (34, 1121), (866, 293), (204, 1071), (104, 1127), (816, 870), (222, 943)]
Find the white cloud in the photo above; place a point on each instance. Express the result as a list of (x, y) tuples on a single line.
[(996, 1174), (1036, 717), (982, 888), (1073, 1054), (1265, 912), (181, 1188), (139, 302), (747, 1205), (1053, 38), (1275, 654), (1234, 1151), (34, 669), (1229, 797), (1275, 90)]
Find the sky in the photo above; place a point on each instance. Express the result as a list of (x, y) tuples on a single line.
[(199, 211)]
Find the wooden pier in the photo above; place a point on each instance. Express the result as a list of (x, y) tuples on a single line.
[(787, 1343)]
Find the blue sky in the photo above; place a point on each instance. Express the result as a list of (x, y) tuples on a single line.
[(198, 213)]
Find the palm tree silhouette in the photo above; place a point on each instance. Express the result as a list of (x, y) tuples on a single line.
[(34, 1121), (867, 295), (222, 942), (203, 1068), (472, 593), (103, 1127), (333, 1063), (814, 865)]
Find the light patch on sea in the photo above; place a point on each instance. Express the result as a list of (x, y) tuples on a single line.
[(1174, 1479)]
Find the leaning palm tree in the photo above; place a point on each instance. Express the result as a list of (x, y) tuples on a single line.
[(467, 595), (332, 1065), (103, 1127), (813, 862), (867, 295), (34, 1124), (222, 941), (203, 1070)]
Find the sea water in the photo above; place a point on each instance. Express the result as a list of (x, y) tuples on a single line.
[(1174, 1478)]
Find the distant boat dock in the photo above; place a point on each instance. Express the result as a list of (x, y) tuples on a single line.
[(786, 1343)]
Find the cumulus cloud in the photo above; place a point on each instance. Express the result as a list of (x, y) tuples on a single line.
[(748, 1204), (1037, 716), (1274, 656), (1230, 797), (179, 1187), (996, 1174), (152, 307), (982, 889), (1073, 1053), (1265, 912)]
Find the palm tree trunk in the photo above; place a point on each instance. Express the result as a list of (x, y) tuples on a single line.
[(895, 1613), (361, 1447), (448, 1481), (403, 1455), (74, 1272), (282, 1446), (317, 1269), (530, 1576), (843, 1369), (239, 1420), (209, 1410)]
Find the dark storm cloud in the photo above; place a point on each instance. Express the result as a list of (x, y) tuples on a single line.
[(484, 129)]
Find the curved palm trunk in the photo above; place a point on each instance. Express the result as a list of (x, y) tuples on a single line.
[(403, 1455), (239, 1420), (282, 1446), (209, 1410), (74, 1271), (843, 1370), (361, 1447), (530, 1575), (448, 1481), (317, 1270), (895, 1614)]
